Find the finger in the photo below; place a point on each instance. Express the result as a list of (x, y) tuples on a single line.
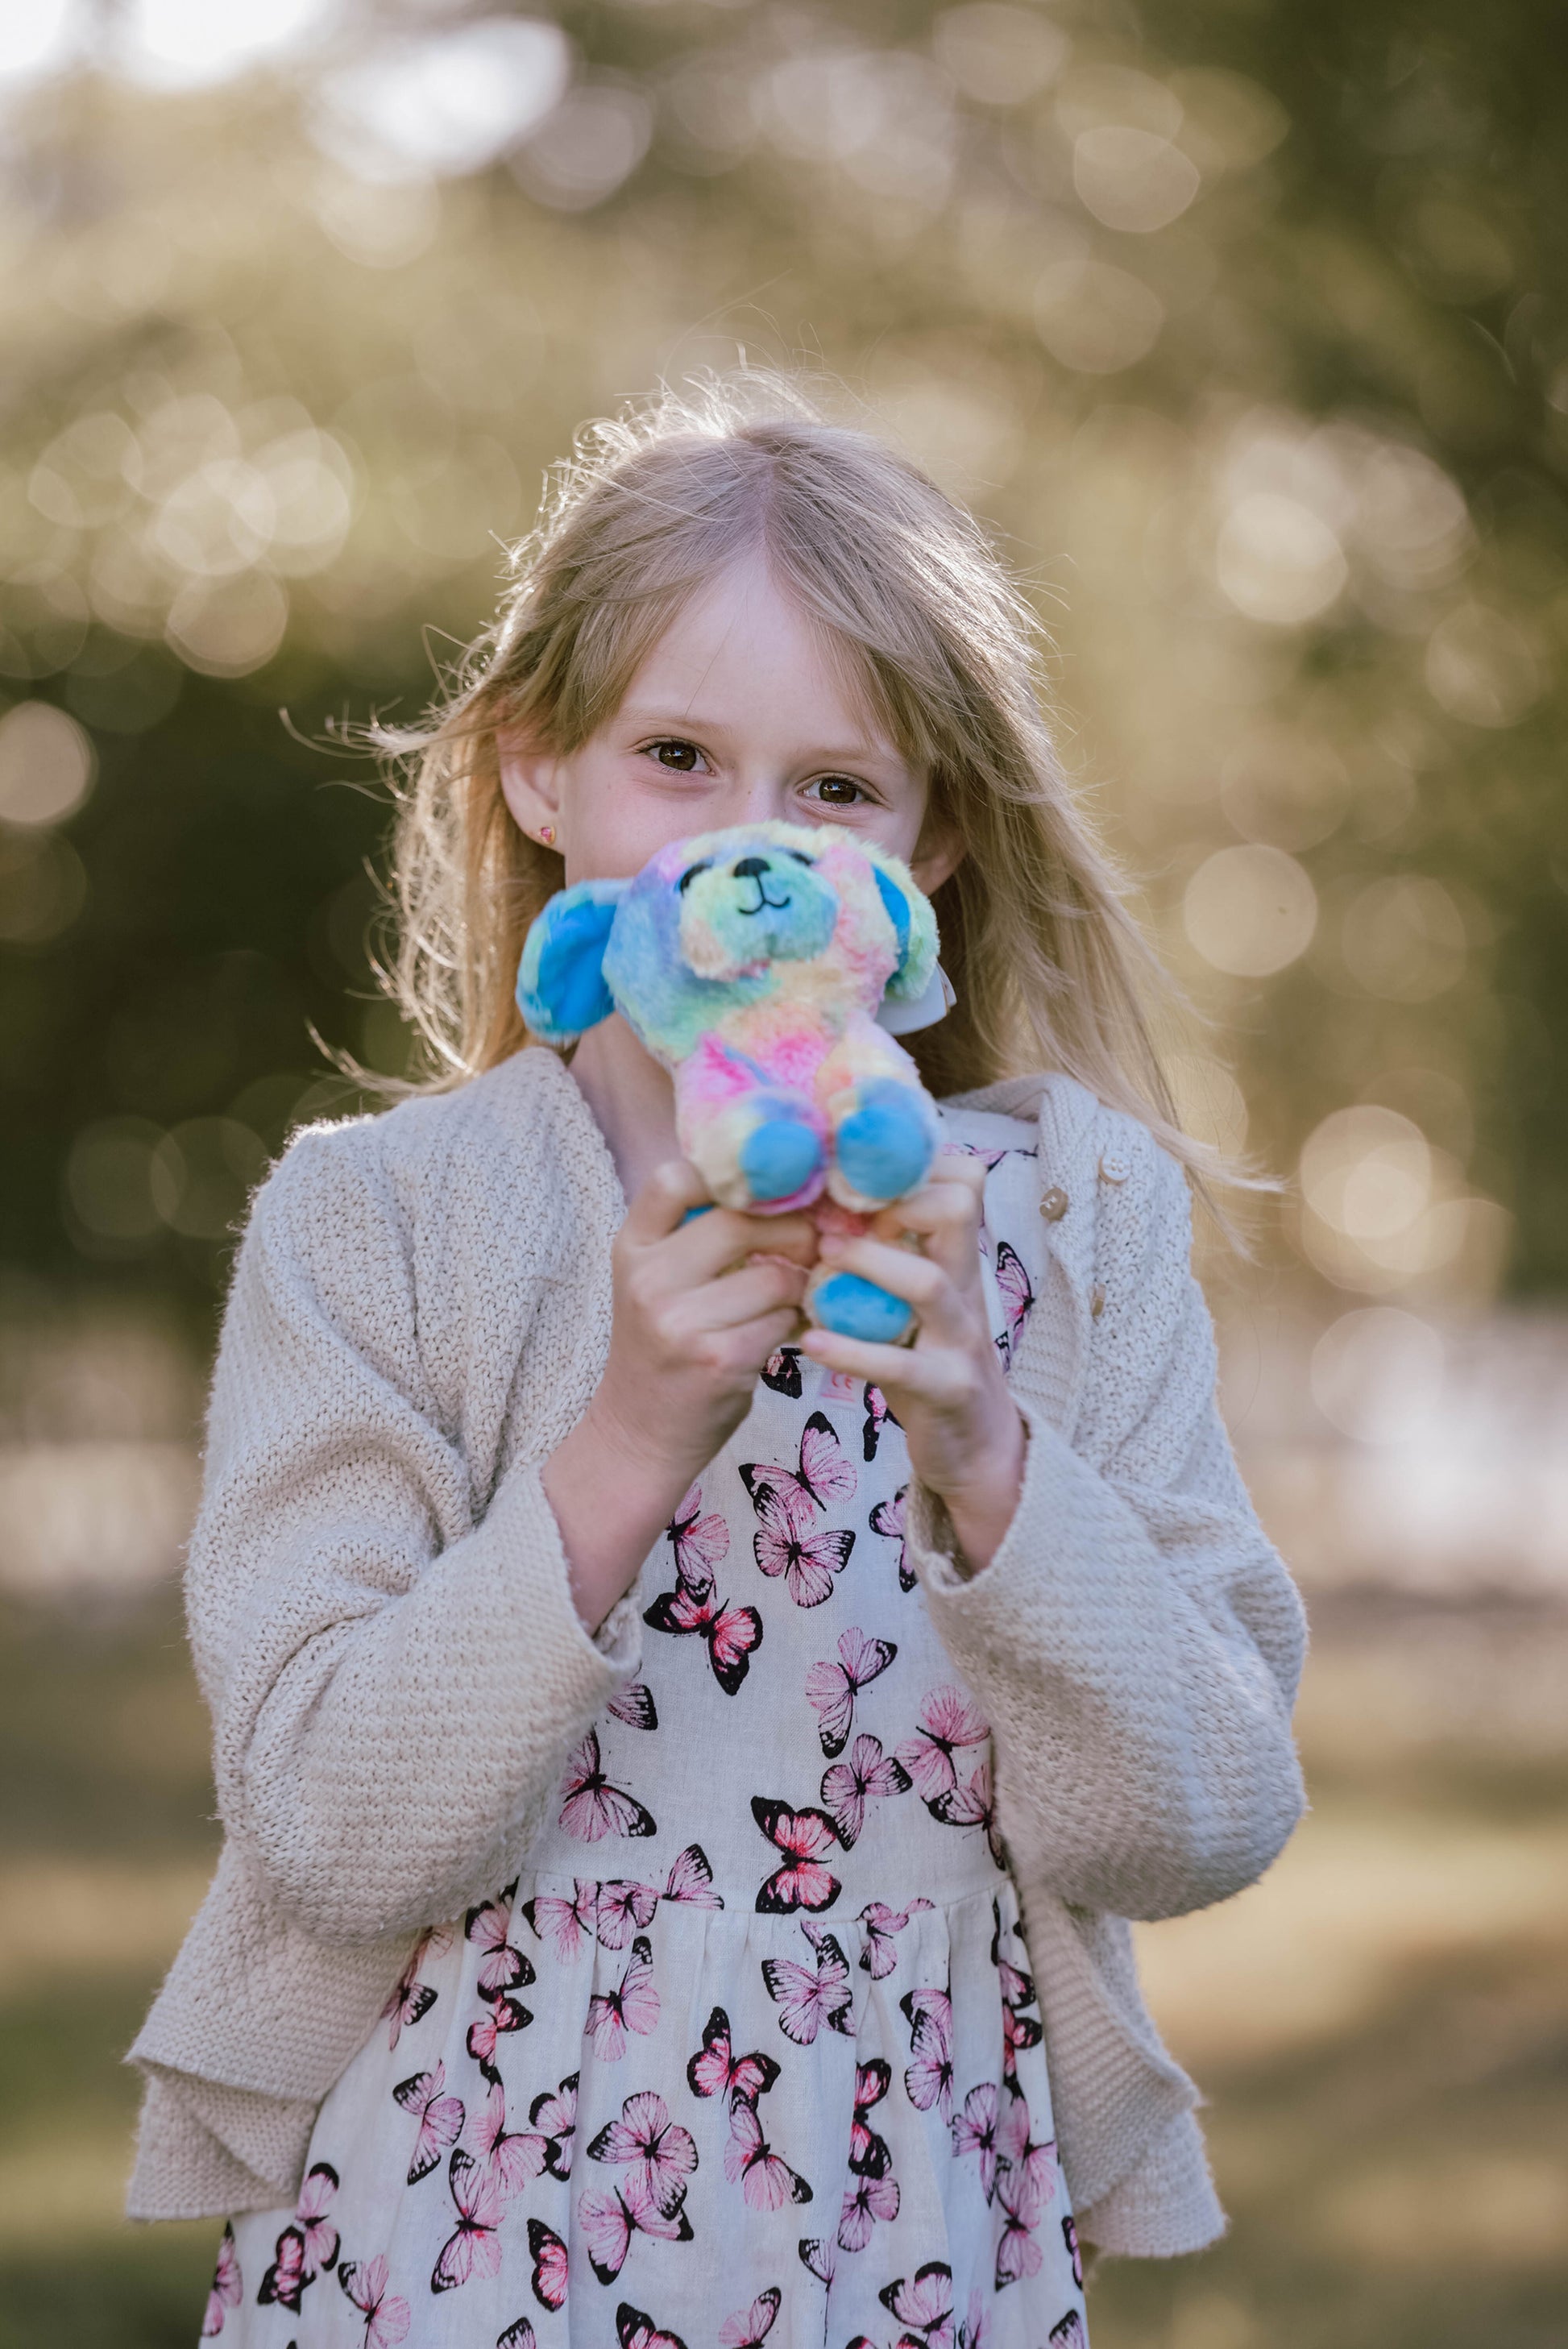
[(734, 1299), (675, 1204), (943, 1214), (950, 1165), (937, 1376), (710, 1244), (664, 1200)]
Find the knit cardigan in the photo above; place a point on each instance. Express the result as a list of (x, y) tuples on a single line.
[(383, 1630)]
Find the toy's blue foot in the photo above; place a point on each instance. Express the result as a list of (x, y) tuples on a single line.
[(886, 1143), (854, 1308), (778, 1156)]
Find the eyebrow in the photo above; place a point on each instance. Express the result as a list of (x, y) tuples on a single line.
[(863, 751)]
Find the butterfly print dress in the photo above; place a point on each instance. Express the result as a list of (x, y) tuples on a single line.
[(750, 2051)]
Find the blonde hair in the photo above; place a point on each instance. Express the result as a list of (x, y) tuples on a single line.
[(1049, 969)]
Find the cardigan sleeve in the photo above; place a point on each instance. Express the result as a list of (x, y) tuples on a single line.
[(1136, 1640), (394, 1664)]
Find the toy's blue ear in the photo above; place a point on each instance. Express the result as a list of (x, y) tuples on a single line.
[(914, 927), (560, 986)]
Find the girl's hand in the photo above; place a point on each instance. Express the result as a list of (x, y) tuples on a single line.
[(693, 1325), (964, 1436)]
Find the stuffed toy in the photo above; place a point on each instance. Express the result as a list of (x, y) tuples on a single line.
[(765, 967)]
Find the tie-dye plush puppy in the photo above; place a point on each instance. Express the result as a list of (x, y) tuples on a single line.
[(753, 963)]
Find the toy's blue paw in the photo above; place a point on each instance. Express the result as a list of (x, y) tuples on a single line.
[(885, 1145), (854, 1308), (778, 1156)]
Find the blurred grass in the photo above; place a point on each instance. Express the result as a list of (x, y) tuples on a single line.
[(1381, 2026)]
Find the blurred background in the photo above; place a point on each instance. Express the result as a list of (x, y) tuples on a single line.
[(1245, 323)]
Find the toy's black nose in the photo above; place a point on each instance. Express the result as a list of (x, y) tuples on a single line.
[(752, 868)]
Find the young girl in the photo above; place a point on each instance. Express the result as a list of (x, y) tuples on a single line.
[(685, 1776)]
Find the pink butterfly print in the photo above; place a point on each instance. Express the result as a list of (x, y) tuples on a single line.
[(868, 1775), (803, 1493), (227, 2287), (590, 1808), (701, 1544), (1018, 2032), (635, 1705), (1021, 2202), (635, 2331), (764, 2177), (869, 2154), (808, 1997), (948, 1720), (975, 2131), (439, 2116), (972, 1807), (781, 1372), (501, 1967), (832, 1688), (1016, 1987), (877, 1416), (473, 2247), (888, 1518), (807, 1561), (1017, 1297), (802, 1882), (548, 2253), (634, 2006), (929, 2075), (989, 1159), (661, 2155), (749, 2329), (320, 2236), (513, 2156), (566, 1925), (621, 1909), (716, 2070), (554, 2115), (866, 2202), (733, 1634), (923, 2303), (691, 1879), (1069, 2333), (881, 1923), (387, 2315), (975, 2332), (819, 2257), (502, 2015), (520, 2335), (411, 1998), (609, 2221), (289, 2275), (1018, 2152)]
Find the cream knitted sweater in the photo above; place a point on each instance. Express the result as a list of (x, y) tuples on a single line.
[(383, 1630)]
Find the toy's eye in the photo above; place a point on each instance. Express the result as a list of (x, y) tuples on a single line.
[(689, 875), (800, 856)]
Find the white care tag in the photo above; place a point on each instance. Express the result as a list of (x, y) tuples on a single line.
[(934, 1004)]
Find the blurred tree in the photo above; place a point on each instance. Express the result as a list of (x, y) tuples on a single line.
[(1244, 326)]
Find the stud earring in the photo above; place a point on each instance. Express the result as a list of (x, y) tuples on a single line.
[(547, 834)]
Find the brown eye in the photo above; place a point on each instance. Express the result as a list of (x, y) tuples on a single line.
[(681, 756), (838, 790)]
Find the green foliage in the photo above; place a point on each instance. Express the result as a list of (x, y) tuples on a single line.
[(1243, 323)]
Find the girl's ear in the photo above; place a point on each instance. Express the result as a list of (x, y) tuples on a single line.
[(560, 986), (530, 784), (913, 923)]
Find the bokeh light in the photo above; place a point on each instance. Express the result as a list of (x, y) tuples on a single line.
[(1242, 331)]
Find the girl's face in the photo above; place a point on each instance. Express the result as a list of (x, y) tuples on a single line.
[(737, 715)]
